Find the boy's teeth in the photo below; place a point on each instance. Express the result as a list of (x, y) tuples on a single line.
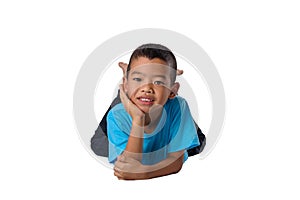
[(143, 99)]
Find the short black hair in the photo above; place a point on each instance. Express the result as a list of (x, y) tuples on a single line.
[(152, 51)]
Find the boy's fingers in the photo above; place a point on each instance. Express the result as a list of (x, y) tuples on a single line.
[(121, 86), (118, 174), (124, 98), (121, 158), (122, 93), (121, 166), (118, 166), (125, 159)]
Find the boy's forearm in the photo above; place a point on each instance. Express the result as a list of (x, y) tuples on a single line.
[(168, 166), (130, 169), (134, 147)]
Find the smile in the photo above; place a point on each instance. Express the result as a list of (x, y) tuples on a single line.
[(146, 100)]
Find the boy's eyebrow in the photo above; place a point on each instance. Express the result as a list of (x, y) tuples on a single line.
[(140, 73), (161, 76), (135, 72)]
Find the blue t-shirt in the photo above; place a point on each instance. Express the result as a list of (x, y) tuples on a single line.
[(175, 131)]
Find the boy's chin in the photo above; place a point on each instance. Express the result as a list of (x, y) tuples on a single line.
[(145, 110), (152, 109)]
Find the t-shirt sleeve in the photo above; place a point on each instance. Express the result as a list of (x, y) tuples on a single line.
[(183, 130), (117, 138)]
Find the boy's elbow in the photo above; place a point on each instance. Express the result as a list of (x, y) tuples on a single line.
[(178, 161), (178, 168)]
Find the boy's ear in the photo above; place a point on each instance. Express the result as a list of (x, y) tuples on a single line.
[(123, 66), (174, 90)]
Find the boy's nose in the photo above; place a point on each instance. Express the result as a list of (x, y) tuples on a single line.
[(147, 88)]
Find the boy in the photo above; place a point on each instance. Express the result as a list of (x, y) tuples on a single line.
[(150, 132), (99, 141)]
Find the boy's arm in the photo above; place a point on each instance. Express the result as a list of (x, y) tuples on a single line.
[(171, 165), (134, 147), (130, 169)]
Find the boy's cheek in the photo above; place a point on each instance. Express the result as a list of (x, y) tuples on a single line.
[(130, 93), (132, 88)]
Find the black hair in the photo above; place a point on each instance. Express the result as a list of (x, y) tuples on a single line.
[(152, 51)]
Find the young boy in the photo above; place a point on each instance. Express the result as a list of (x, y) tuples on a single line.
[(99, 141), (150, 132)]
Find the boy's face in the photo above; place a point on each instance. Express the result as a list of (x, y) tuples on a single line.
[(149, 83)]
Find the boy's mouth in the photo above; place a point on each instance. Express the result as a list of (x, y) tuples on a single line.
[(146, 100)]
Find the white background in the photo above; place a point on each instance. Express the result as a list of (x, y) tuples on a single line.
[(254, 45)]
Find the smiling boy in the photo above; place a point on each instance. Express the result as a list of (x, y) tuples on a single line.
[(150, 132)]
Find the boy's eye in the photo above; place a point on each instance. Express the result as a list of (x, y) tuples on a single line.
[(137, 79), (158, 83)]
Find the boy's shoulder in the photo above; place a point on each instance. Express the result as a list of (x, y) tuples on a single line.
[(180, 99), (177, 101), (176, 105), (117, 107), (116, 111)]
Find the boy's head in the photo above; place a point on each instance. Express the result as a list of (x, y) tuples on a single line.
[(152, 51), (151, 75)]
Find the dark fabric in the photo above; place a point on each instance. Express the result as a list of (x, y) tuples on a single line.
[(99, 142), (202, 139)]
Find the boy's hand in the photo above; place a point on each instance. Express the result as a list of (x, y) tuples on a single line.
[(136, 114), (129, 169)]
